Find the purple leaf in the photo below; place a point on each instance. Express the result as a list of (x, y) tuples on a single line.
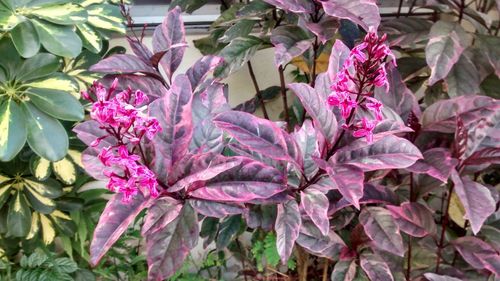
[(207, 138), (216, 209), (259, 134), (248, 181), (447, 41), (295, 6), (315, 204), (437, 163), (489, 155), (93, 166), (484, 133), (200, 69), (325, 29), (406, 31), (162, 212), (441, 116), (372, 193), (476, 199), (167, 34), (311, 239), (287, 228), (323, 118), (435, 277), (398, 97), (167, 248), (390, 152), (344, 270), (463, 78), (311, 146), (362, 12), (174, 115), (375, 267), (348, 180), (199, 168), (89, 131), (262, 216), (140, 50), (152, 87), (290, 41), (414, 219), (114, 220), (338, 56), (478, 253), (381, 228), (123, 64)]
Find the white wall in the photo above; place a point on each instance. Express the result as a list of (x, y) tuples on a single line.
[(240, 85)]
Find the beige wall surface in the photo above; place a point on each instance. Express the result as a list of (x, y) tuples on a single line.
[(240, 85)]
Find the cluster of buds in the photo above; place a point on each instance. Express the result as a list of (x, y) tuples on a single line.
[(361, 72), (120, 117)]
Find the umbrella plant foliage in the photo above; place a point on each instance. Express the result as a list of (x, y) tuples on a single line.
[(60, 27), (364, 173)]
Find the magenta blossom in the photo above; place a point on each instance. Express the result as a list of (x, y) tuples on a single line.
[(363, 70), (119, 116)]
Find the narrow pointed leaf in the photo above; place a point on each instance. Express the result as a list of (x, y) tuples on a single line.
[(113, 222), (478, 253), (311, 146), (122, 64), (216, 209), (315, 105), (338, 56), (436, 277), (287, 228), (463, 78), (236, 54), (381, 228), (289, 41), (437, 163), (296, 6), (174, 115), (162, 212), (168, 247), (344, 270), (199, 71), (476, 199), (170, 32)]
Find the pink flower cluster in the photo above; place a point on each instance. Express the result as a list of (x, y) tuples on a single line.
[(353, 87), (118, 114)]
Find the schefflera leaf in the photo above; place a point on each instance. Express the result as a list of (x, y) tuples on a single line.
[(168, 247), (13, 131), (381, 228), (476, 199)]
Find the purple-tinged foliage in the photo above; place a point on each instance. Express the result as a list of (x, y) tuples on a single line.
[(360, 175)]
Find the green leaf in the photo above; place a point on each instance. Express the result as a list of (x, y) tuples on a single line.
[(56, 81), (188, 6), (65, 265), (58, 104), (66, 14), (25, 39), (49, 188), (38, 66), (65, 170), (46, 136), (92, 41), (12, 129), (59, 40), (236, 54), (240, 29), (107, 17), (39, 203), (40, 167), (9, 20), (228, 230), (19, 217), (463, 78), (10, 59), (4, 193)]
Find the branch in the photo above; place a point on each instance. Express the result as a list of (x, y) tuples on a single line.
[(256, 86), (281, 71)]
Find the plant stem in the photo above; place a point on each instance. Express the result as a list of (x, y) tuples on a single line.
[(326, 263), (408, 265), (461, 14), (444, 223), (281, 71), (315, 54), (258, 93), (399, 8)]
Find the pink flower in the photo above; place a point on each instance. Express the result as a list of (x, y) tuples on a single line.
[(366, 129), (140, 97), (346, 105), (106, 156), (376, 107), (357, 52), (381, 78)]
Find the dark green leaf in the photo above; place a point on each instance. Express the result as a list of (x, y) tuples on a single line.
[(25, 39), (228, 230), (58, 104), (46, 136), (236, 54), (19, 217), (59, 40), (40, 65)]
